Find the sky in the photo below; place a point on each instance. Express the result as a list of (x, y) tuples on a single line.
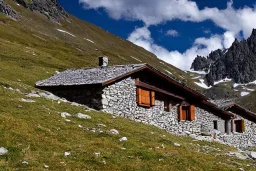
[(176, 31)]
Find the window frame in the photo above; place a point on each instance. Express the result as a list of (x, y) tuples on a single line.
[(239, 125), (189, 115)]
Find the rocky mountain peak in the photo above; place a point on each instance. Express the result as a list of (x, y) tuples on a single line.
[(238, 62), (253, 32), (8, 11), (50, 8)]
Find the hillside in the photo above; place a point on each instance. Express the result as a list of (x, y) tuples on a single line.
[(35, 134)]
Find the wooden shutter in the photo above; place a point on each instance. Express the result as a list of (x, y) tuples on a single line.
[(180, 113), (139, 96), (242, 125), (192, 112), (153, 103), (143, 97)]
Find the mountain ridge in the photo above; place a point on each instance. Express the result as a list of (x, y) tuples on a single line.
[(238, 62)]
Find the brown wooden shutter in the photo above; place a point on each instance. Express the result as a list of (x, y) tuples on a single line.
[(153, 98), (242, 125), (139, 96), (192, 112), (143, 97), (180, 113)]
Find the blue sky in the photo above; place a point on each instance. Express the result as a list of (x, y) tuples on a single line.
[(176, 31)]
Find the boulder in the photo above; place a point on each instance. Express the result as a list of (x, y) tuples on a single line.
[(114, 131), (3, 151), (83, 116), (123, 139)]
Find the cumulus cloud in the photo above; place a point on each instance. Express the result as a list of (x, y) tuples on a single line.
[(172, 33), (154, 12), (201, 46)]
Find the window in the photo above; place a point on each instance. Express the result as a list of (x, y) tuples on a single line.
[(239, 126), (215, 125), (187, 112), (166, 105), (145, 97)]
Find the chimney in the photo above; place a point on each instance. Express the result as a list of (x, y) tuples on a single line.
[(103, 61)]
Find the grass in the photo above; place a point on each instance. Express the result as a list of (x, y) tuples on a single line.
[(32, 50), (36, 133)]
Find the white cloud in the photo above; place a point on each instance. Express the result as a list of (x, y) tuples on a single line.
[(201, 46), (173, 33), (153, 12)]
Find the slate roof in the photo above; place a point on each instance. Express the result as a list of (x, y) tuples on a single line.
[(104, 76), (86, 76), (240, 108), (108, 74)]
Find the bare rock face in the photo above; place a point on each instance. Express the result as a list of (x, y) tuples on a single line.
[(50, 8), (238, 62), (8, 11)]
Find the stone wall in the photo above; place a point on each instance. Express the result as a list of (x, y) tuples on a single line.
[(90, 96), (243, 140), (120, 99)]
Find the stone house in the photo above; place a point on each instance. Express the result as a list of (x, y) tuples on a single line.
[(142, 93), (243, 126)]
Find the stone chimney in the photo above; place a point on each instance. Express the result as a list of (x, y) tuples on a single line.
[(103, 61)]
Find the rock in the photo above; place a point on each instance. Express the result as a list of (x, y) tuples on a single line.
[(27, 100), (97, 154), (50, 8), (187, 132), (101, 125), (114, 131), (3, 151), (8, 11), (251, 154), (24, 162), (83, 116), (65, 114), (237, 63), (123, 139), (33, 95), (238, 155), (46, 166), (176, 144), (66, 154), (75, 104)]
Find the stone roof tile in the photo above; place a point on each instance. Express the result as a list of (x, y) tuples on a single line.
[(85, 76)]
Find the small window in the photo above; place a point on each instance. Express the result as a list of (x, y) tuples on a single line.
[(239, 126), (166, 105), (215, 125), (187, 112)]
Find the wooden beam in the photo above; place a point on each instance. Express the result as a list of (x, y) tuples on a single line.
[(150, 87)]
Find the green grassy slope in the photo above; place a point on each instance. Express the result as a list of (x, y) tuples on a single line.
[(36, 133), (31, 50)]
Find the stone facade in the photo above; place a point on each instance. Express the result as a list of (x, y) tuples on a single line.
[(89, 96), (245, 139), (120, 99)]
